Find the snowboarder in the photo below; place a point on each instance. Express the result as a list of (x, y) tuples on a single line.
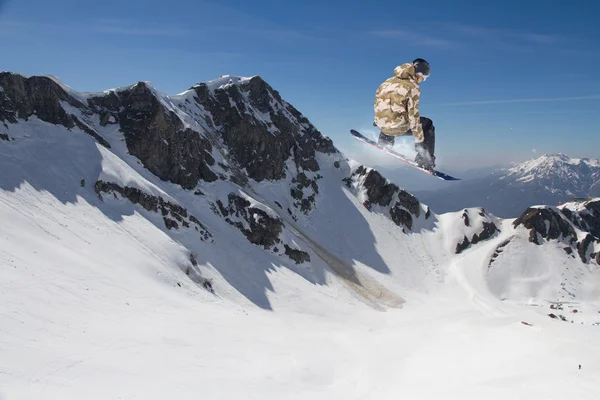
[(397, 111)]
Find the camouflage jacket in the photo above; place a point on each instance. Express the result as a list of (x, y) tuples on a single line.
[(397, 104)]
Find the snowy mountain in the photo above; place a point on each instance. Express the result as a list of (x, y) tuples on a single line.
[(549, 179), (214, 243)]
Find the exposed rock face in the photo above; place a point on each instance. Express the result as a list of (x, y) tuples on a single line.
[(403, 206), (552, 223), (588, 219), (302, 184), (489, 229), (485, 232), (258, 226), (583, 246), (498, 251), (173, 215), (298, 256), (40, 96), (159, 139), (253, 116), (547, 224)]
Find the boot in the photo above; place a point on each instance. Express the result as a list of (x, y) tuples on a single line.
[(424, 158), (425, 150), (385, 141)]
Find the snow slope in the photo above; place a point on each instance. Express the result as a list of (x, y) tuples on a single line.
[(99, 299)]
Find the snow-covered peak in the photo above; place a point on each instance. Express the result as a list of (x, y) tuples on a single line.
[(221, 82), (578, 204), (558, 168)]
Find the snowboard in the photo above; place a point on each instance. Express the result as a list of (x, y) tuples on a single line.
[(440, 175)]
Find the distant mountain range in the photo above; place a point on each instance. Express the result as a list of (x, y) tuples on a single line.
[(550, 179)]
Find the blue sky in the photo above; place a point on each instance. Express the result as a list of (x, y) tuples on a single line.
[(510, 79)]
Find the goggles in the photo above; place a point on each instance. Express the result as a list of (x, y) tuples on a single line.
[(421, 77)]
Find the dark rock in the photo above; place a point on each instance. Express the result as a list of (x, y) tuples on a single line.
[(170, 224), (263, 230), (401, 216), (587, 220), (39, 95), (243, 130), (307, 204), (336, 164), (598, 258), (207, 284), (159, 139), (379, 191), (568, 250), (109, 102), (302, 182), (298, 256), (82, 183), (488, 230), (582, 247), (498, 251), (552, 316), (548, 223), (296, 193), (462, 246), (428, 213), (155, 204), (465, 217), (409, 202), (4, 136)]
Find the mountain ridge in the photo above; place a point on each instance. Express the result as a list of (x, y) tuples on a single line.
[(549, 179), (165, 245)]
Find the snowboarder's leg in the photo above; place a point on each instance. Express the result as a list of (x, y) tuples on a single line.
[(429, 135), (385, 141), (426, 149)]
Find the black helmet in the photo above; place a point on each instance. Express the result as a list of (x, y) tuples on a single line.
[(422, 66)]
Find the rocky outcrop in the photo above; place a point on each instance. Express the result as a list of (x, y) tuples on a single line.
[(174, 216), (298, 256), (39, 96), (488, 230), (257, 225), (583, 247), (498, 251), (403, 206), (546, 223), (559, 224), (587, 219), (159, 139), (21, 97), (251, 115), (302, 184), (480, 227)]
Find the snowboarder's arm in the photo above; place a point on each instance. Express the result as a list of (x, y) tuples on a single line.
[(414, 118)]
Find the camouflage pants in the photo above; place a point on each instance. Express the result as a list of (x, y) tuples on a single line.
[(428, 135)]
